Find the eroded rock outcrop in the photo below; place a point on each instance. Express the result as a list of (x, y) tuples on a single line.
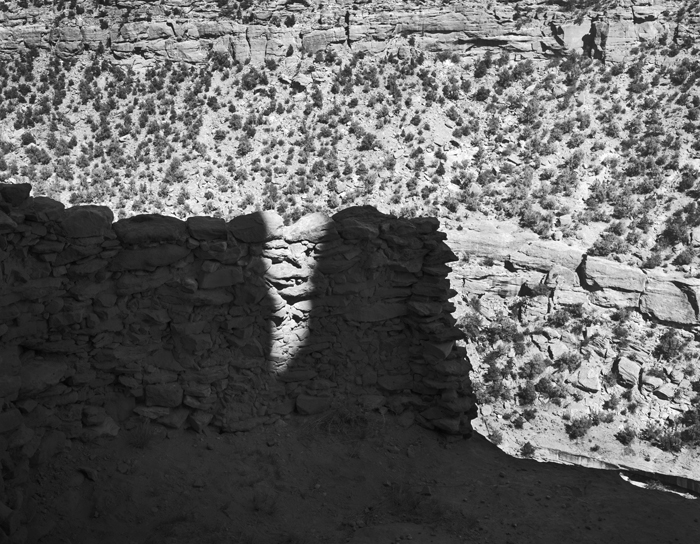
[(573, 277), (275, 30)]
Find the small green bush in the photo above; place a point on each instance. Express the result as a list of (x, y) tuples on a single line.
[(527, 394), (670, 346), (578, 427), (532, 368), (527, 450), (496, 437), (626, 435), (570, 361)]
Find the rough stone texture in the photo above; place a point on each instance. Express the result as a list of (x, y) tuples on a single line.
[(256, 227), (588, 379), (602, 273), (203, 323), (666, 302), (158, 31), (86, 221), (628, 372)]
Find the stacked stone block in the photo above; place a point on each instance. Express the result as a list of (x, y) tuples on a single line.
[(206, 322)]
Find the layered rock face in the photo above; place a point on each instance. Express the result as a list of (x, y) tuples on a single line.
[(211, 323), (514, 273), (669, 298), (283, 30)]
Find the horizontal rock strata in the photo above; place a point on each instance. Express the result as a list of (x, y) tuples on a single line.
[(278, 31)]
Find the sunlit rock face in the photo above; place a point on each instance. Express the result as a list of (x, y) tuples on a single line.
[(189, 30)]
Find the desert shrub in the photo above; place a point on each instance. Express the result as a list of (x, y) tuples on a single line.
[(530, 414), (612, 403), (608, 243), (471, 324), (482, 94), (654, 260), (527, 394), (598, 417), (527, 450), (691, 435), (578, 427), (685, 257), (670, 345), (27, 138), (550, 389), (626, 435), (664, 439), (689, 176), (482, 67), (678, 227), (570, 361), (533, 367), (670, 440), (559, 318), (502, 328)]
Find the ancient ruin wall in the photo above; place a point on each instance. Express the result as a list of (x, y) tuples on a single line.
[(230, 325)]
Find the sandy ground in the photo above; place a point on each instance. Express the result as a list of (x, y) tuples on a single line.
[(332, 480)]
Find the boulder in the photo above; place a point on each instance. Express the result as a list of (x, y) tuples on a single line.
[(588, 379), (256, 227), (15, 194), (561, 277), (314, 228), (666, 302), (651, 383), (541, 255), (198, 420), (358, 229), (666, 391), (39, 375), (6, 222), (168, 395), (207, 228), (557, 349), (602, 273), (94, 415), (628, 372), (148, 228), (85, 221), (309, 405), (610, 298)]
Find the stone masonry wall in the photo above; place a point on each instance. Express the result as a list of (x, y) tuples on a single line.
[(205, 322)]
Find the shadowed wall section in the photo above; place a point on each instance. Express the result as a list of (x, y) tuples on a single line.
[(230, 325)]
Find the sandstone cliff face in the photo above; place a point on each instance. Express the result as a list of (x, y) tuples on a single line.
[(575, 278), (189, 30)]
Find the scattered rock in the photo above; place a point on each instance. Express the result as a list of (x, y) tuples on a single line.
[(628, 372)]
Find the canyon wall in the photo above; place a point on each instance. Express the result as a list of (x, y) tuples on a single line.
[(283, 31), (660, 295), (228, 325)]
